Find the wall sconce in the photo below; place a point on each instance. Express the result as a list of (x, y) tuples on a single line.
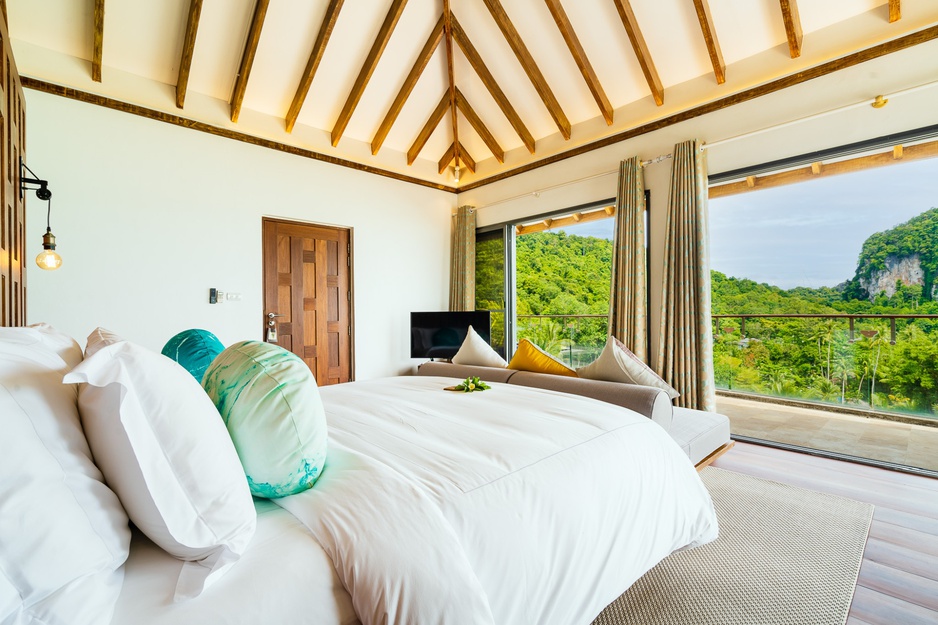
[(48, 259)]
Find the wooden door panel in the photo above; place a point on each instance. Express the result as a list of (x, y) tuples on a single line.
[(306, 279)]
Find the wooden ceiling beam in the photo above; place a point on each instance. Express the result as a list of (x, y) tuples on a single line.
[(315, 56), (450, 155), (435, 117), (641, 50), (792, 20), (530, 67), (371, 62), (451, 77), (895, 11), (475, 59), (415, 72), (188, 46), (710, 38), (579, 56), (247, 58), (476, 122), (97, 52)]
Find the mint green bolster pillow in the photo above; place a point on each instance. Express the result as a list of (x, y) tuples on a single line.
[(194, 350), (269, 400)]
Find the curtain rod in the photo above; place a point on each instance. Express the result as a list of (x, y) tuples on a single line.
[(664, 157)]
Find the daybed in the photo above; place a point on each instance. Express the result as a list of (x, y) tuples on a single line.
[(516, 505), (702, 435)]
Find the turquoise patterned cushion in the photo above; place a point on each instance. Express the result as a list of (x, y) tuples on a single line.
[(194, 350), (269, 400)]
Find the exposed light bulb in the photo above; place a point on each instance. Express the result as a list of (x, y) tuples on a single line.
[(48, 259), (456, 173)]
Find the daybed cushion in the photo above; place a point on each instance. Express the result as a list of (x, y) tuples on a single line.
[(617, 363), (63, 532), (270, 403), (476, 351), (530, 357), (162, 447), (651, 402), (699, 433)]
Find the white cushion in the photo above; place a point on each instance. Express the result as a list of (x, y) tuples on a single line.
[(63, 532), (616, 363), (100, 337), (476, 351), (164, 449), (699, 433)]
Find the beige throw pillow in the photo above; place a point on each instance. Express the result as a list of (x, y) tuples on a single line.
[(617, 364), (476, 351)]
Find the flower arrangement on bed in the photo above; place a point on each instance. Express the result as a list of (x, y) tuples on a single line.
[(126, 492)]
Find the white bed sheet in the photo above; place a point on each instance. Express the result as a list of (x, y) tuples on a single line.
[(558, 502), (284, 577)]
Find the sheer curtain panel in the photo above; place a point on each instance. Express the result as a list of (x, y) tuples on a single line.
[(628, 303), (685, 347), (462, 275)]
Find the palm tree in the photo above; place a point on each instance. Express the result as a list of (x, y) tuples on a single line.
[(878, 340), (824, 333)]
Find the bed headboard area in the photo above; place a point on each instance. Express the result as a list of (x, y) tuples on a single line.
[(13, 208)]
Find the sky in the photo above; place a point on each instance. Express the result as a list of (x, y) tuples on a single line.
[(808, 234)]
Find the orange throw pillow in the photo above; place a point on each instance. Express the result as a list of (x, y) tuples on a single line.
[(530, 357)]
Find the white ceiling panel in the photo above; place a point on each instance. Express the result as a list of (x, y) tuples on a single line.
[(219, 42)]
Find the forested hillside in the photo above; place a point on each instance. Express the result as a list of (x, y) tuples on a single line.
[(561, 274)]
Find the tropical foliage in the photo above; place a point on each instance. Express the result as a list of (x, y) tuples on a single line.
[(560, 278)]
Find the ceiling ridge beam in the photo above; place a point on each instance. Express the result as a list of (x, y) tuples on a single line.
[(188, 47), (429, 48), (529, 65), (472, 55), (97, 53), (895, 11), (476, 122), (315, 57), (641, 50), (579, 56), (793, 31), (368, 68), (450, 154), (247, 57), (710, 38), (451, 77), (432, 122)]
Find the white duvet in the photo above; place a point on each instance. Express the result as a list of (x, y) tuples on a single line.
[(510, 506)]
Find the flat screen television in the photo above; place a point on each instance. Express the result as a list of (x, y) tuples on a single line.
[(439, 334)]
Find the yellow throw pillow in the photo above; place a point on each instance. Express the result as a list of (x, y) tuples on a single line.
[(530, 357)]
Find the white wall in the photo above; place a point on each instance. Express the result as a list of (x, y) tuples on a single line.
[(149, 216), (579, 180)]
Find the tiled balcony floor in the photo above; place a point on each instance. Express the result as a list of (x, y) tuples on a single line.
[(890, 441)]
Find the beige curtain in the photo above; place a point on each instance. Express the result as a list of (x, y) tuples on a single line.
[(685, 347), (628, 304), (462, 275)]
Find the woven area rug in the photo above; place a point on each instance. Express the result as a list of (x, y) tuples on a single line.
[(785, 556)]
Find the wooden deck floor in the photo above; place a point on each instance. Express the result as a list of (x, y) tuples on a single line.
[(898, 581), (866, 437)]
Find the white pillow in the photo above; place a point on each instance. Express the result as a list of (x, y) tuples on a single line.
[(165, 451), (476, 351), (617, 363), (100, 337), (63, 533)]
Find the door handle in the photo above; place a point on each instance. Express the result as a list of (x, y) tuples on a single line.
[(272, 315)]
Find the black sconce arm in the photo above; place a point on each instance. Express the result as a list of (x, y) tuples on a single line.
[(42, 190)]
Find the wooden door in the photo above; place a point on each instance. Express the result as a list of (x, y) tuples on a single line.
[(307, 282)]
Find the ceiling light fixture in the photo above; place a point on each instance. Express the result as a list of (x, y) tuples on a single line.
[(456, 174), (48, 259)]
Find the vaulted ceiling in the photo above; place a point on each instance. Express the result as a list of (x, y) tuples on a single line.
[(417, 87)]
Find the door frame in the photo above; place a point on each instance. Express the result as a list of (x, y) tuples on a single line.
[(351, 274)]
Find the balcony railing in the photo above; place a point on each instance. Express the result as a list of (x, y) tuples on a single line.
[(576, 339), (870, 362)]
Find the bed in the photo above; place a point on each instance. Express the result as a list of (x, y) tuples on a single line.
[(516, 505)]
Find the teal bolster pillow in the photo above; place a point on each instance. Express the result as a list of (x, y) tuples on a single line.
[(269, 400), (194, 350)]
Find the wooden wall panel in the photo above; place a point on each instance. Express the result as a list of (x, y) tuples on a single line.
[(12, 209)]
